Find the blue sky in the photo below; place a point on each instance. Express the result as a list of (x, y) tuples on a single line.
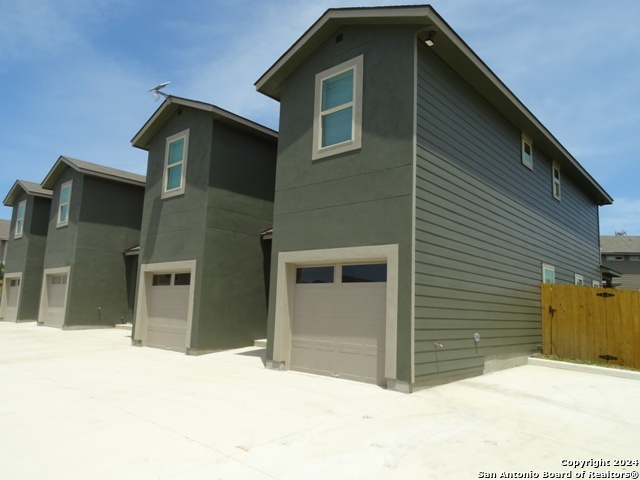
[(74, 74)]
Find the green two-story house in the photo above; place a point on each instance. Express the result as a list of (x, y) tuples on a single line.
[(25, 251), (202, 284), (418, 206)]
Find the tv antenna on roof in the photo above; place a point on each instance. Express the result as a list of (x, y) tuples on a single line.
[(156, 90)]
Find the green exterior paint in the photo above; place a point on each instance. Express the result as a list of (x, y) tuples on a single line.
[(228, 201), (483, 223), (362, 197), (104, 220), (26, 254)]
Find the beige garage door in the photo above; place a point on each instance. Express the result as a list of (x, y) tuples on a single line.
[(56, 300), (12, 291), (168, 308), (339, 318)]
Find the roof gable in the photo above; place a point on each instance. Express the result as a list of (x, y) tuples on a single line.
[(455, 53), (90, 169), (171, 104), (31, 188)]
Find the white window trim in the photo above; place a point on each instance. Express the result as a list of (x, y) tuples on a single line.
[(526, 139), (546, 266), (578, 279), (614, 258), (556, 181), (60, 204), (183, 178), (596, 283), (20, 221), (318, 152)]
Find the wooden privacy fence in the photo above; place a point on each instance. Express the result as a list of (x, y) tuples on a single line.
[(586, 323)]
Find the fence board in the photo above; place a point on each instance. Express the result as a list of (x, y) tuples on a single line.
[(588, 323)]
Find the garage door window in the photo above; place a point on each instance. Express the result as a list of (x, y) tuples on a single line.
[(15, 282), (161, 280), (59, 280), (375, 272), (314, 275), (169, 279), (182, 279)]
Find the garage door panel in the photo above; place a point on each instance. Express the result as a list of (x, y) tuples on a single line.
[(12, 292), (339, 330), (167, 309), (56, 286)]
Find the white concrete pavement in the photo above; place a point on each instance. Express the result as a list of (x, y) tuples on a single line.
[(85, 404)]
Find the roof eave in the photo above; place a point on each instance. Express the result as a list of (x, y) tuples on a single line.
[(171, 104), (455, 52), (20, 185)]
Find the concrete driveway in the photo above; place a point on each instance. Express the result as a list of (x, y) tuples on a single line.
[(87, 405)]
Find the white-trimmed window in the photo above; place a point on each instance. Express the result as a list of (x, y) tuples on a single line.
[(596, 283), (527, 151), (337, 120), (578, 280), (65, 202), (634, 258), (175, 164), (615, 258), (22, 206), (548, 273), (555, 179)]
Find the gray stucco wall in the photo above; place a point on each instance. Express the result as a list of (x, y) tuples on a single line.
[(361, 197), (485, 223), (227, 202), (104, 220), (26, 254)]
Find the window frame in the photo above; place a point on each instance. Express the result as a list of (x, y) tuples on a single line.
[(184, 134), (551, 268), (596, 283), (578, 279), (318, 151), (526, 140), (614, 258), (556, 183), (63, 223), (20, 219)]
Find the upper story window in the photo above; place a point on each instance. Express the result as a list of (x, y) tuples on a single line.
[(22, 206), (548, 273), (65, 202), (614, 258), (337, 122), (175, 164), (527, 151), (634, 258), (556, 181)]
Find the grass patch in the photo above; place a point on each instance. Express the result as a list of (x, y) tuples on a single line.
[(586, 362)]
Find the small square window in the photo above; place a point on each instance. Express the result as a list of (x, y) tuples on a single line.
[(556, 181), (64, 204), (578, 280), (527, 151), (596, 283), (548, 273), (634, 258), (337, 122), (175, 164), (22, 206), (614, 258)]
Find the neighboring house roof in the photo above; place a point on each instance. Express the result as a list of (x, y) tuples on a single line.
[(5, 227), (620, 244), (455, 52), (34, 189), (171, 104), (91, 169)]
